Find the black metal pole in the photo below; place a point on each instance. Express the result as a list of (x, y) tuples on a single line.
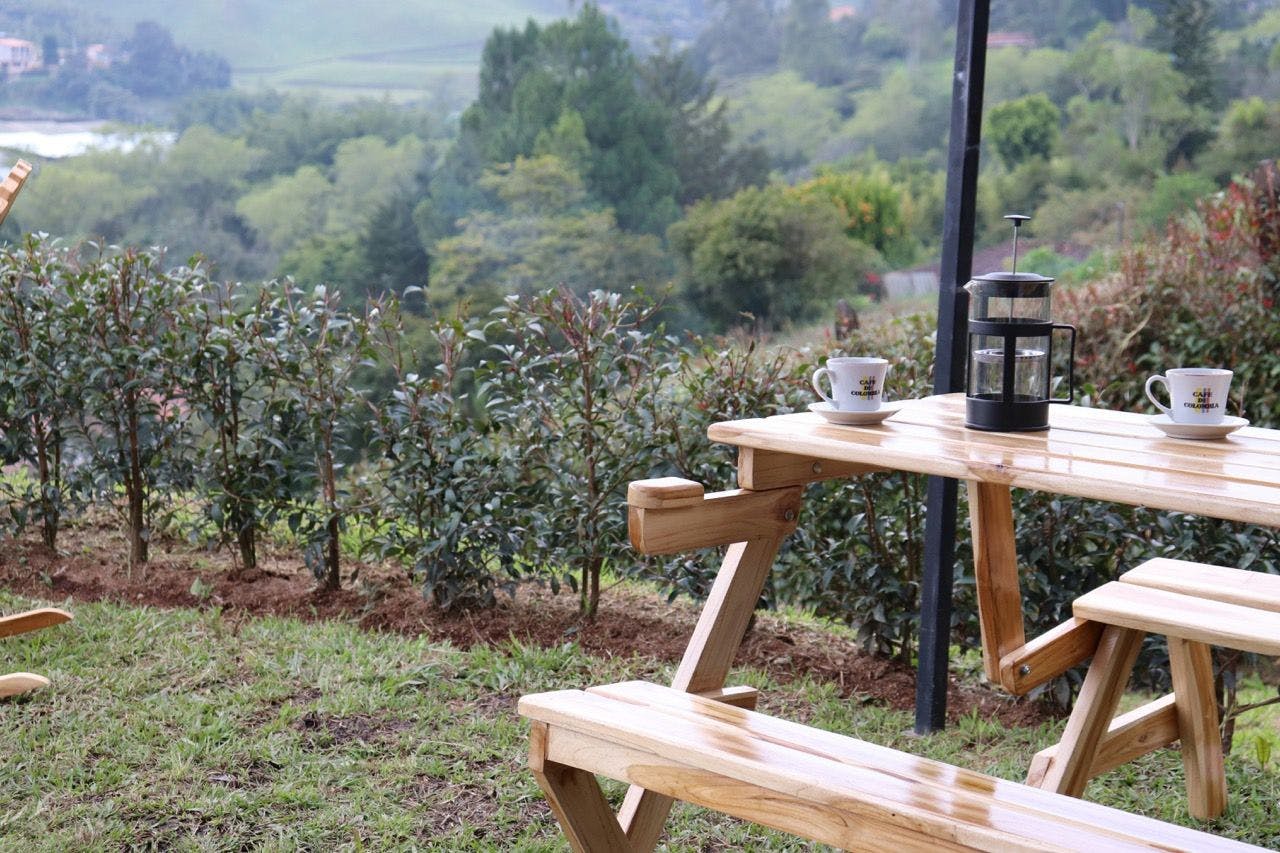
[(952, 353)]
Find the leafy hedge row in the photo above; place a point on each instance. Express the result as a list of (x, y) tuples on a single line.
[(506, 453)]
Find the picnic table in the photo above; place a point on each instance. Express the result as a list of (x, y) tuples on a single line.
[(1090, 453)]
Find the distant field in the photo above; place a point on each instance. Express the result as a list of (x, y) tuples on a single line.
[(407, 49)]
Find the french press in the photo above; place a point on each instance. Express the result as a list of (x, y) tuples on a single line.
[(1011, 349)]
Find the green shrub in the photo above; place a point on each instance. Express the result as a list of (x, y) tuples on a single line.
[(246, 433), (573, 384), (1205, 295), (126, 315), (36, 401), (440, 481), (314, 349)]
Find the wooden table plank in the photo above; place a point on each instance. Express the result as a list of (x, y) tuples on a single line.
[(1240, 483), (1105, 438)]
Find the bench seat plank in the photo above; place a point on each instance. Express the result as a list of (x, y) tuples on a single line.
[(1217, 583), (1156, 611), (821, 785)]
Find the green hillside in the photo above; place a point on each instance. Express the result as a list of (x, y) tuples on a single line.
[(407, 48)]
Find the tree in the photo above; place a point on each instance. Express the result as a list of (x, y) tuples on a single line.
[(810, 46), (316, 349), (875, 211), (126, 318), (545, 234), (1172, 195), (36, 400), (157, 67), (743, 38), (1248, 134), (767, 256), (289, 208), (1022, 129), (577, 384), (788, 116), (393, 254), (530, 79), (1188, 32), (1132, 108), (83, 197), (247, 452), (898, 119), (206, 170), (366, 172), (700, 135)]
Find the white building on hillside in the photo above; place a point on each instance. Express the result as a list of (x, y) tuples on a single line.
[(18, 56)]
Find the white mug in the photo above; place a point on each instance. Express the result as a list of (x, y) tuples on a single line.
[(857, 384), (1197, 395)]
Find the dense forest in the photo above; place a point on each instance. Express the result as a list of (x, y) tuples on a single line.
[(762, 159)]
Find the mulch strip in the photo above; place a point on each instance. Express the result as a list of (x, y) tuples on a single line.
[(630, 622)]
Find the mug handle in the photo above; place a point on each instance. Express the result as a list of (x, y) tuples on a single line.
[(1151, 380), (818, 374)]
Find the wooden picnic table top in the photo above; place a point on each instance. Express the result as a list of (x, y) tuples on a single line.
[(1091, 453)]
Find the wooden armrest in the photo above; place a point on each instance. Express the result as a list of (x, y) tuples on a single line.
[(32, 620), (17, 683), (664, 493), (12, 185)]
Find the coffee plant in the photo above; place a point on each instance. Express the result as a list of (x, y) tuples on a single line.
[(247, 431), (440, 478), (315, 348), (36, 400), (574, 384), (126, 314)]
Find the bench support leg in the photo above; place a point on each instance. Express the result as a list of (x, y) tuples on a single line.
[(1068, 772), (1130, 736), (1191, 666), (706, 663), (576, 800)]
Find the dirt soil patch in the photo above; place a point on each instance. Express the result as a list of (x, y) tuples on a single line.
[(630, 622)]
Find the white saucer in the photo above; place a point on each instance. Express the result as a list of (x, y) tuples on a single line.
[(886, 410), (1199, 431)]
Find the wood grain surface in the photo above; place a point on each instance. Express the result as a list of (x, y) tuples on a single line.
[(1091, 453)]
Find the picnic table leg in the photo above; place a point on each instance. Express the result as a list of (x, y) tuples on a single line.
[(995, 574), (706, 662)]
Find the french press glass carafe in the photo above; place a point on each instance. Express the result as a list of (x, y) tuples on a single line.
[(1011, 349)]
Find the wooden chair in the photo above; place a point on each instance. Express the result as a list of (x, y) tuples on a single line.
[(819, 785), (20, 623), (12, 185), (1195, 606)]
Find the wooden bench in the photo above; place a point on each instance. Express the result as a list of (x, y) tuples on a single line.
[(822, 786), (1195, 606)]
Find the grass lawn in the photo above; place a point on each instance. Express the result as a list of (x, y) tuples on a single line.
[(186, 729)]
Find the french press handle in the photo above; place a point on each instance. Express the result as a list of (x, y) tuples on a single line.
[(1071, 364)]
